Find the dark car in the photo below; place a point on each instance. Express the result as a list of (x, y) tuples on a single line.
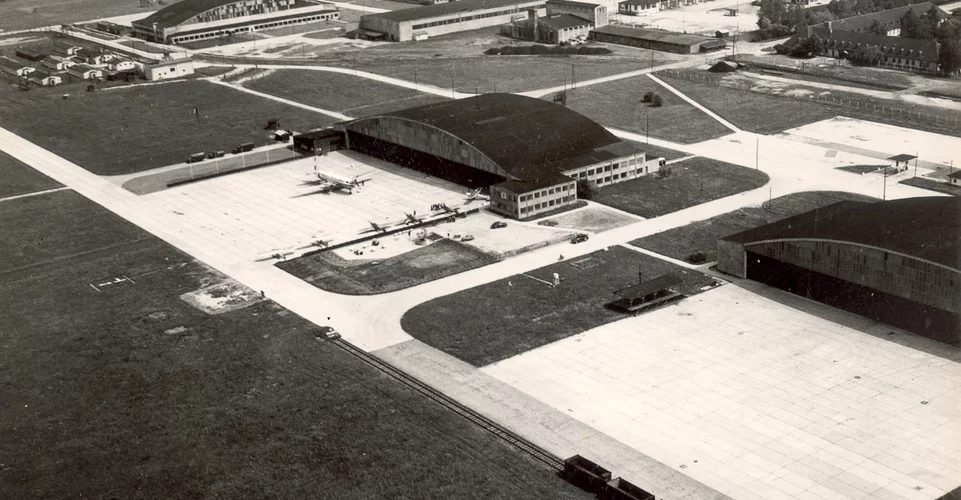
[(579, 238), (499, 224), (328, 333)]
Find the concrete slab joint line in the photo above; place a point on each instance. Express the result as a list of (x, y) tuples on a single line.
[(710, 113)]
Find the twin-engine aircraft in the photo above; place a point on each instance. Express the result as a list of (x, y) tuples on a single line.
[(329, 181)]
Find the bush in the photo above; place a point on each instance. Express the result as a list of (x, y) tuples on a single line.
[(697, 258), (586, 189), (648, 97), (657, 101)]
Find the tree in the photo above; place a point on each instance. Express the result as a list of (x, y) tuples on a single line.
[(867, 56), (586, 189), (913, 26), (949, 57), (657, 101), (878, 28), (772, 10), (808, 47)]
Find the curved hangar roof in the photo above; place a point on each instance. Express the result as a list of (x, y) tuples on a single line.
[(927, 228), (533, 140), (181, 12)]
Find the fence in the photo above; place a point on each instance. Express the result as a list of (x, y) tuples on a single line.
[(867, 105)]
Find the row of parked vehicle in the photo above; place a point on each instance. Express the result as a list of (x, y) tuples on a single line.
[(201, 156)]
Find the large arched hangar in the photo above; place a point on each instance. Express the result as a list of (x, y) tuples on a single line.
[(529, 151)]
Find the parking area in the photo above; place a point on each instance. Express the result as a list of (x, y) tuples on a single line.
[(261, 211), (763, 395), (514, 237)]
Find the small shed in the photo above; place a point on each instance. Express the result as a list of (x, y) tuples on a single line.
[(901, 158), (649, 294), (319, 141), (955, 178)]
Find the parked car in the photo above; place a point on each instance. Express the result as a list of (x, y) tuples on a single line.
[(467, 237), (579, 238), (194, 158), (499, 224)]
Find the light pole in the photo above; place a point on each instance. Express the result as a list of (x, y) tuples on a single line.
[(647, 128), (757, 152)]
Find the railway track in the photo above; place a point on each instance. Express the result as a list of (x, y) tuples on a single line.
[(481, 421)]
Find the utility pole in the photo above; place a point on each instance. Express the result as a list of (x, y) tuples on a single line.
[(647, 129), (884, 188), (452, 94), (916, 164), (757, 152), (415, 78), (572, 76), (652, 60)]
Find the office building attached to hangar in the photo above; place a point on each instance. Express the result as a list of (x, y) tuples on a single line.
[(530, 152), (898, 262)]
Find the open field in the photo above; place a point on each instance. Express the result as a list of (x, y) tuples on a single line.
[(17, 178), (933, 185), (24, 14), (618, 104), (500, 73), (776, 106), (690, 182), (702, 236), (440, 259), (131, 392), (498, 320), (339, 92), (753, 111), (133, 129)]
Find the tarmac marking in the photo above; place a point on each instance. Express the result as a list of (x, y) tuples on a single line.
[(17, 197)]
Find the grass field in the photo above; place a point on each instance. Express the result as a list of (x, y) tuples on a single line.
[(18, 178), (500, 73), (24, 14), (937, 186), (130, 392), (691, 182), (702, 236), (338, 92), (768, 113), (753, 111), (498, 320), (329, 272), (618, 104), (133, 129)]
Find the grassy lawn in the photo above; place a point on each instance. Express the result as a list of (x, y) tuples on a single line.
[(440, 259), (933, 185), (691, 182), (338, 92), (500, 73), (16, 15), (491, 322), (133, 393), (868, 169), (18, 178), (771, 113), (618, 104), (753, 111), (133, 129), (702, 236)]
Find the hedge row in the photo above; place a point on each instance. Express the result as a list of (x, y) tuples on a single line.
[(525, 50)]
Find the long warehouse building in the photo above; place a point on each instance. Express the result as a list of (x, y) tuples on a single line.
[(530, 152), (192, 20), (898, 262), (420, 23)]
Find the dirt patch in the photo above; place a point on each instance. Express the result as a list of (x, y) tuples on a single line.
[(222, 297), (594, 219)]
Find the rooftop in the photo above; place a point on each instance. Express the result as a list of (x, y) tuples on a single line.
[(562, 21), (653, 35), (448, 8), (639, 2), (927, 228), (926, 50), (176, 14), (571, 3), (532, 139), (890, 16)]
